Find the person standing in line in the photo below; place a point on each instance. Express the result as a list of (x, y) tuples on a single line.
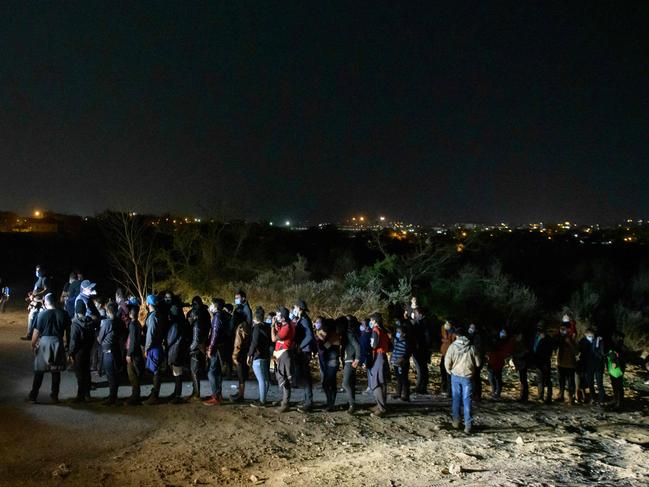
[(259, 355)]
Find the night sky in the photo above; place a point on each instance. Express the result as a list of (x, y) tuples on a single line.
[(531, 111)]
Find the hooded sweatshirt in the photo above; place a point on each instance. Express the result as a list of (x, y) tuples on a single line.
[(461, 358)]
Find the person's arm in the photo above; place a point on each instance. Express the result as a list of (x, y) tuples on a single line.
[(374, 340), (35, 336), (237, 345), (309, 338), (357, 349), (254, 341), (449, 359)]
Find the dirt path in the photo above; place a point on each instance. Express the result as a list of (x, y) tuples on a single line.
[(238, 445)]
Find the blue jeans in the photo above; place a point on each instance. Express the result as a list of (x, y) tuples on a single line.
[(462, 388), (261, 368), (108, 363), (214, 375)]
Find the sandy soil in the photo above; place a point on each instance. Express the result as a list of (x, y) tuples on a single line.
[(191, 444)]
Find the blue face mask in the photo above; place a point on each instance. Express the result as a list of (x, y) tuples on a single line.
[(398, 334), (503, 334), (362, 327), (590, 338), (318, 325), (237, 300)]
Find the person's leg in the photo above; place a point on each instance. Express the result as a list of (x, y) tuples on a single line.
[(491, 376), (306, 377), (56, 385), (563, 376), (399, 384), (284, 378), (443, 376), (456, 395), (599, 377), (108, 364), (467, 395), (214, 376), (194, 366), (548, 383), (347, 375), (419, 372), (570, 376), (499, 383), (525, 388), (405, 382), (80, 376)]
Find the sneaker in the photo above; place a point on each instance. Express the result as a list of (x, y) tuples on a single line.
[(395, 396), (177, 400), (258, 404), (25, 338), (152, 401), (378, 412), (351, 409), (133, 401), (467, 430), (109, 401), (31, 399), (456, 424), (212, 401), (54, 398), (79, 399)]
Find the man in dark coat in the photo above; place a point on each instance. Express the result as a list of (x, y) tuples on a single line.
[(82, 338), (305, 345)]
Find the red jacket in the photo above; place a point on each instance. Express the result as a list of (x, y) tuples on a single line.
[(285, 335), (380, 341), (496, 357)]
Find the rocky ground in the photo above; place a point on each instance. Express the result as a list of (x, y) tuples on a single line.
[(190, 444)]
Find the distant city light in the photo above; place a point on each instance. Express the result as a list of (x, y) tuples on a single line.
[(361, 218), (382, 218), (37, 213), (270, 223), (287, 223)]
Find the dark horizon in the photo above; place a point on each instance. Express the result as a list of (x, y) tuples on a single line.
[(514, 113)]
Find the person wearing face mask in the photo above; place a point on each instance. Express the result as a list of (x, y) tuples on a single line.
[(461, 361), (241, 302), (364, 338), (214, 351), (35, 300), (200, 323), (566, 362), (329, 342), (242, 336), (543, 348), (616, 364), (502, 348), (476, 340), (282, 334), (522, 358), (447, 337), (420, 336), (351, 353), (317, 330), (305, 345), (400, 361), (156, 331), (380, 370), (179, 336), (591, 354)]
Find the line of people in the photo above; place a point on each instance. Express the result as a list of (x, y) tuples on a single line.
[(221, 339)]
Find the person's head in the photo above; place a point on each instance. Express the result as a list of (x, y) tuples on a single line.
[(217, 305), (197, 302), (271, 317), (175, 311), (40, 271), (88, 288), (565, 318), (111, 310), (376, 320), (413, 302), (151, 302), (240, 297), (299, 308), (364, 325), (259, 314), (168, 298), (618, 337), (563, 329), (99, 301), (460, 331), (282, 315), (399, 330), (80, 308), (119, 295), (447, 325), (49, 301), (472, 329), (133, 311), (540, 328), (229, 308), (319, 321), (502, 334), (72, 277), (590, 334)]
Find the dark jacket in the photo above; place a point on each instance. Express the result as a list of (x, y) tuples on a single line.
[(352, 349), (543, 349), (178, 338), (200, 322), (108, 338), (260, 342), (591, 355), (218, 331), (304, 337), (135, 341), (364, 340), (82, 335), (156, 330)]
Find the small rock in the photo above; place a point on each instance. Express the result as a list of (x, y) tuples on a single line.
[(455, 469), (61, 471), (445, 471), (519, 441), (254, 478)]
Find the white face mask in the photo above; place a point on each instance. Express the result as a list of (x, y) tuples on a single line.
[(237, 300), (447, 326), (590, 338)]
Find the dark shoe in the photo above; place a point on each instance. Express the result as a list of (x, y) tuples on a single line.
[(25, 338), (331, 408), (152, 400), (31, 399), (258, 404), (177, 400), (405, 398), (54, 398), (109, 401), (236, 398), (79, 399), (133, 401), (195, 398)]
